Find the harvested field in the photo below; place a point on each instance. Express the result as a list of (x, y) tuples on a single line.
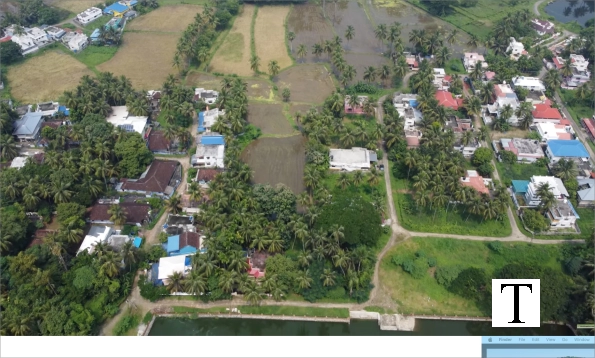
[(260, 89), (360, 61), (233, 56), (308, 83), (204, 80), (269, 118), (269, 36), (45, 77), (277, 160), (75, 6), (166, 19), (146, 66), (352, 13), (300, 108), (309, 26)]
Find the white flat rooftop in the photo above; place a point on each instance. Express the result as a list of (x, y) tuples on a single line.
[(120, 118)]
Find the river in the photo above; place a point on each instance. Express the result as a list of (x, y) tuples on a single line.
[(256, 327), (571, 10)]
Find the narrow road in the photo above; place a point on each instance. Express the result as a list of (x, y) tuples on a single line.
[(536, 7)]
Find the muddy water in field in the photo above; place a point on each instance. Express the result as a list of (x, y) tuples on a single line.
[(277, 160), (310, 27), (344, 13)]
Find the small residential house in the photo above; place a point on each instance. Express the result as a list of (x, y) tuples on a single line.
[(441, 79), (555, 184), (205, 175), (589, 125), (168, 265), (117, 9), (136, 213), (89, 15), (411, 61), (566, 149), (542, 27), (210, 152), (28, 127), (549, 131), (537, 97), (78, 42), (545, 113), (516, 49), (26, 42), (207, 96), (470, 59), (48, 109), (115, 23), (586, 192), (504, 95), (351, 159), (54, 33), (161, 178), (446, 99), (96, 235), (477, 182), (18, 162), (154, 98), (489, 75), (187, 243), (157, 143), (208, 118), (413, 138), (526, 150), (406, 106), (39, 36), (529, 83), (562, 215), (358, 108), (120, 117)]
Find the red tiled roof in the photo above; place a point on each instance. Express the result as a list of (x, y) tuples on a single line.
[(158, 142), (135, 213), (157, 178), (207, 174), (446, 99), (546, 112), (590, 124), (190, 239), (477, 184), (5, 39), (412, 141), (557, 62), (490, 75)]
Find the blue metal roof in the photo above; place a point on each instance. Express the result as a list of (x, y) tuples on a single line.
[(133, 2), (27, 124), (520, 186), (413, 103), (567, 148), (212, 140), (95, 34), (201, 121), (188, 250), (173, 243), (574, 211), (137, 241), (115, 7), (64, 110)]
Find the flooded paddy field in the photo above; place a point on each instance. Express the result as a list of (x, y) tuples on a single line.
[(277, 160)]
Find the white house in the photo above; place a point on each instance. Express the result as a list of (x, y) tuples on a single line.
[(39, 36), (530, 83), (89, 15), (562, 215), (169, 265), (406, 105), (96, 235), (18, 162), (54, 33), (207, 96), (78, 42), (516, 49), (26, 42), (47, 109), (121, 118), (470, 59), (209, 156), (504, 96), (550, 131), (542, 27), (350, 159), (555, 184), (208, 118), (441, 79)]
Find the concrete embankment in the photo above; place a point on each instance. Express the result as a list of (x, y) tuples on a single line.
[(387, 322)]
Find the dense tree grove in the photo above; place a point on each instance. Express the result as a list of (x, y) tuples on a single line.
[(10, 52), (34, 12)]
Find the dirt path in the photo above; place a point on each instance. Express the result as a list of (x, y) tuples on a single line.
[(536, 7)]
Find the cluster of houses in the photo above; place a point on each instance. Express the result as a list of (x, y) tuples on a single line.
[(35, 38), (580, 72)]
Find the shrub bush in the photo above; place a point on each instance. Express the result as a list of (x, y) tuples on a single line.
[(496, 246), (126, 323), (446, 274), (432, 262)]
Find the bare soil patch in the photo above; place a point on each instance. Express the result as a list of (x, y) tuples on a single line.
[(277, 160), (166, 19), (45, 77), (514, 132), (204, 80), (308, 83), (75, 6), (269, 118), (233, 56), (145, 58), (269, 36), (260, 89)]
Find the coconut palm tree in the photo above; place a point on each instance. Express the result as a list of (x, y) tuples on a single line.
[(348, 74), (442, 56), (56, 247), (552, 79), (274, 68), (253, 293), (381, 33), (343, 180), (129, 253), (8, 147), (302, 51), (472, 105), (317, 50), (451, 38), (473, 41), (370, 74), (61, 192), (566, 70), (174, 204), (487, 92), (477, 72), (291, 37), (374, 176), (303, 280), (327, 277), (349, 33), (175, 282), (110, 264), (117, 214), (385, 73), (195, 283), (566, 169)]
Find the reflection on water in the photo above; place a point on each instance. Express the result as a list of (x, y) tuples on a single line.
[(254, 327), (580, 11)]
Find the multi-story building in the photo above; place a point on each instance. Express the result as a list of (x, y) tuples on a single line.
[(504, 96), (562, 215), (530, 83), (470, 59), (556, 187), (89, 15)]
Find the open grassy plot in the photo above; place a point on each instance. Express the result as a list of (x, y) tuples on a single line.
[(269, 36), (426, 296), (75, 6), (273, 310), (145, 58), (166, 19), (518, 171), (45, 77), (260, 90), (204, 80), (233, 56), (277, 160), (455, 221), (308, 83), (95, 55), (585, 224), (269, 118)]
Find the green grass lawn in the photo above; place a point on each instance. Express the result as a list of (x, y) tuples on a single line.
[(93, 56), (273, 310), (519, 171), (88, 30), (426, 296), (453, 63), (455, 221)]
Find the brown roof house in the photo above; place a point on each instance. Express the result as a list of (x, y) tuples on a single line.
[(136, 213), (157, 143), (161, 178), (205, 175)]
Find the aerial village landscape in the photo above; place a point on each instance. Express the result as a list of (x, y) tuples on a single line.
[(322, 160)]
